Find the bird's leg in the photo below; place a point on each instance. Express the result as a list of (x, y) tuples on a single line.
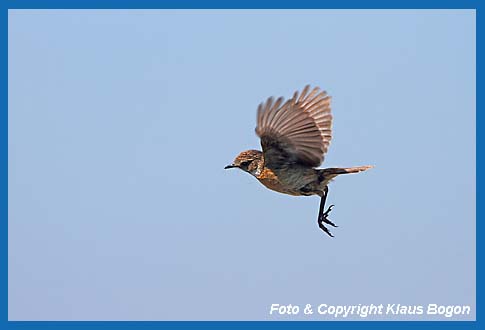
[(322, 216)]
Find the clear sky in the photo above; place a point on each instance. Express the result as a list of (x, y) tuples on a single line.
[(120, 125)]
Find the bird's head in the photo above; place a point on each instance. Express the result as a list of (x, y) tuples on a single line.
[(249, 161)]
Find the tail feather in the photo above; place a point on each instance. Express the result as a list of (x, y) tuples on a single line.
[(328, 174), (347, 170)]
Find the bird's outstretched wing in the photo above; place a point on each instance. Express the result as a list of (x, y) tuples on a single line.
[(297, 131)]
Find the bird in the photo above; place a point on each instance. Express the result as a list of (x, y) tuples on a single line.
[(295, 136)]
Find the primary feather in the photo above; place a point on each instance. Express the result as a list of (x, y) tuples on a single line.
[(297, 131)]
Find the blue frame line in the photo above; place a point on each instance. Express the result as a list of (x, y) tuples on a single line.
[(213, 4), (248, 4)]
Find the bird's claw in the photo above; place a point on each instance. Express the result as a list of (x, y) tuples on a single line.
[(325, 229), (325, 215), (324, 219)]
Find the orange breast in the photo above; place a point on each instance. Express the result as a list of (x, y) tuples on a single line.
[(271, 181)]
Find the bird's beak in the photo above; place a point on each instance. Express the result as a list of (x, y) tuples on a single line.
[(230, 166)]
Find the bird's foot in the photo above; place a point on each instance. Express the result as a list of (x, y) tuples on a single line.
[(324, 219)]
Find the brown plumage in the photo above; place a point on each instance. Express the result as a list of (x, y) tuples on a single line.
[(295, 135)]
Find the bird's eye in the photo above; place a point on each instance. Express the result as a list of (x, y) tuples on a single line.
[(245, 164)]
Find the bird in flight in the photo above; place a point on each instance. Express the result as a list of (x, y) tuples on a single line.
[(295, 136)]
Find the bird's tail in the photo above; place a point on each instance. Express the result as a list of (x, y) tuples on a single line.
[(346, 170), (328, 174)]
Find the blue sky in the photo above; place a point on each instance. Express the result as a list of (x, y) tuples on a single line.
[(120, 124)]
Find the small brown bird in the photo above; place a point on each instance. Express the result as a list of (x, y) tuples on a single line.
[(295, 135)]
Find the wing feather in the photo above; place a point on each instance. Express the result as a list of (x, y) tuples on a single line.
[(296, 131)]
